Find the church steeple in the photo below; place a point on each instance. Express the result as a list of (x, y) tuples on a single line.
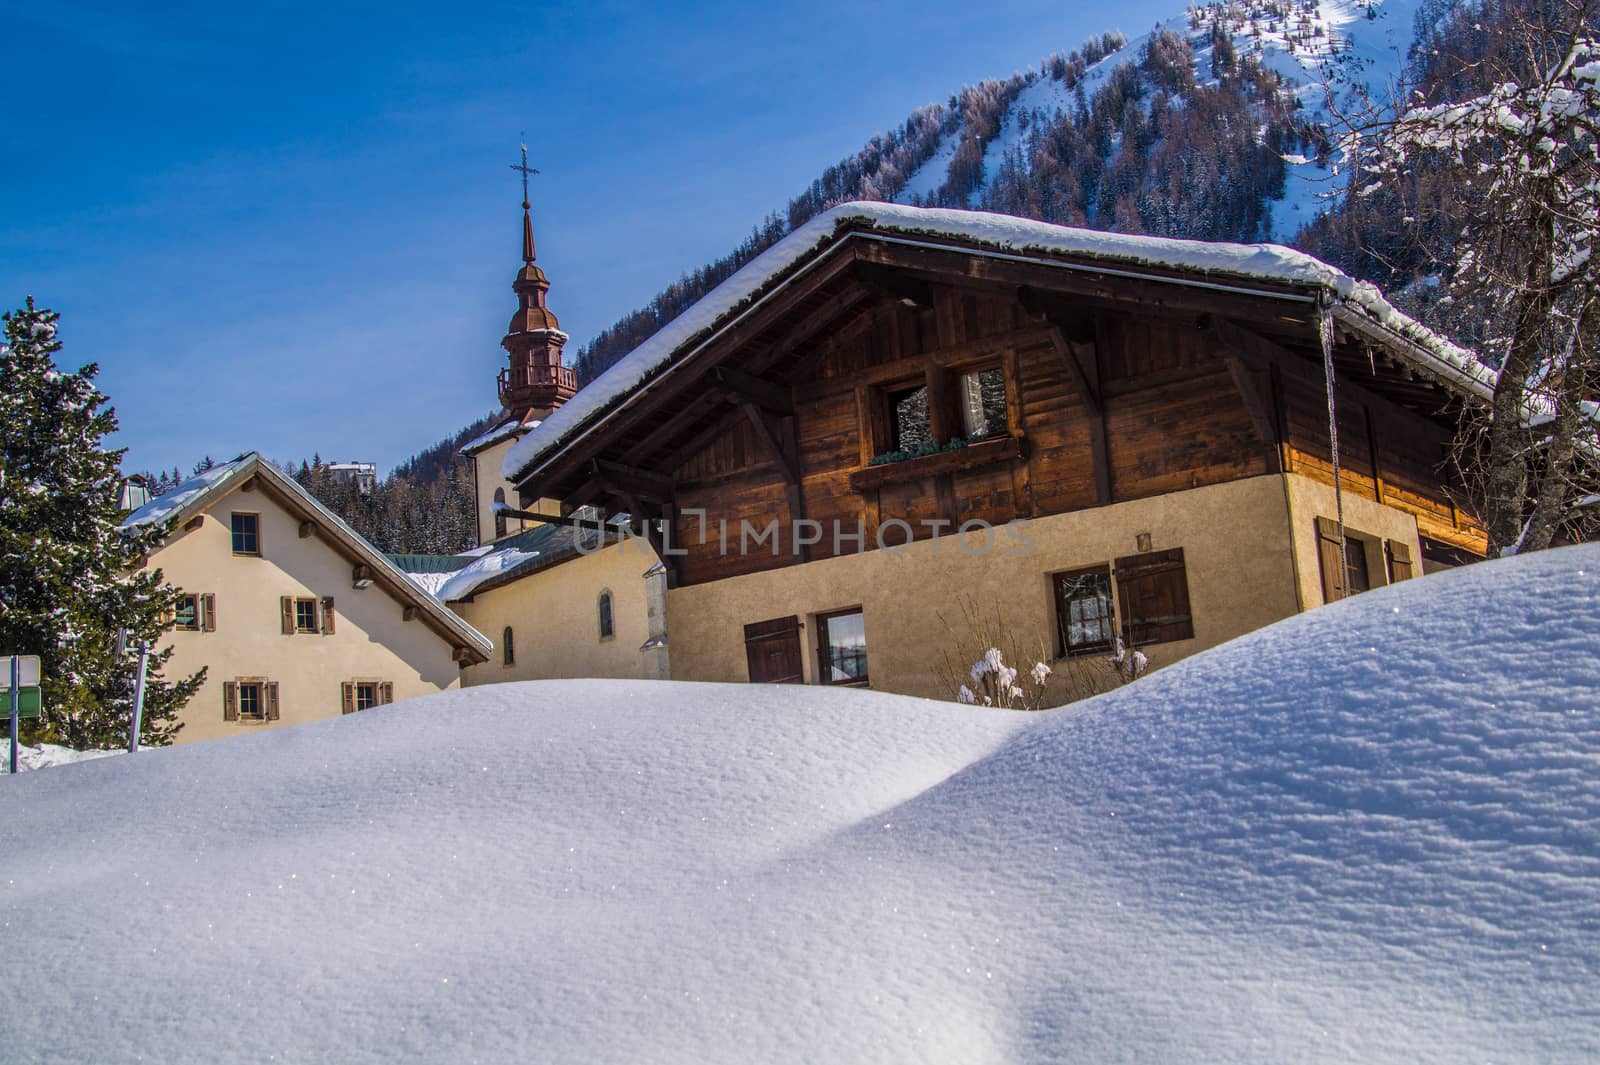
[(536, 382)]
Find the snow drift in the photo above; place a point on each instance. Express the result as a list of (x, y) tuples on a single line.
[(1371, 832)]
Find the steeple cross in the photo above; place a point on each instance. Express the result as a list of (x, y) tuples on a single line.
[(525, 169)]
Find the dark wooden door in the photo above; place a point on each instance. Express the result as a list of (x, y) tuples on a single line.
[(772, 649)]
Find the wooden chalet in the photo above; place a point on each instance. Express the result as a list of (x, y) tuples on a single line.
[(1138, 428)]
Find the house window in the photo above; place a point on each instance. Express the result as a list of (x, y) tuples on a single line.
[(842, 647), (910, 423), (250, 700), (983, 403), (508, 647), (607, 630), (365, 694), (499, 518), (772, 651), (1153, 597), (1085, 620), (187, 615), (246, 540), (305, 615), (1397, 559), (1356, 576), (1355, 567)]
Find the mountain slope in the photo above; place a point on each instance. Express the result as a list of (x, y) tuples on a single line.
[(1214, 125)]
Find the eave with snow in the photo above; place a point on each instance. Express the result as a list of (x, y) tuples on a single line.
[(1137, 372)]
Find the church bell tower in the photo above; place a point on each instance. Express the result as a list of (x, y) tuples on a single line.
[(536, 382)]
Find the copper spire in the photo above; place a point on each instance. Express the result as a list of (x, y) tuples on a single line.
[(527, 220)]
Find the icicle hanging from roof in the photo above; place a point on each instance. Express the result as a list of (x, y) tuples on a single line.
[(1325, 332)]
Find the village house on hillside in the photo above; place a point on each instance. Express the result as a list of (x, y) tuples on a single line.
[(294, 616), (1097, 436), (557, 600)]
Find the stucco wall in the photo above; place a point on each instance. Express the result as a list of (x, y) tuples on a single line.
[(371, 641), (488, 462), (555, 622), (1366, 521), (1235, 539)]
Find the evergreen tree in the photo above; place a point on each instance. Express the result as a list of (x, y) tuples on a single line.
[(70, 577)]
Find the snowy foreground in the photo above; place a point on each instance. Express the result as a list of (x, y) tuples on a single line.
[(1371, 833)]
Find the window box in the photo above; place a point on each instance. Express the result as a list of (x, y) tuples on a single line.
[(983, 453)]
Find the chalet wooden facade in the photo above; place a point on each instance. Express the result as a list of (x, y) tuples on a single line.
[(1138, 429)]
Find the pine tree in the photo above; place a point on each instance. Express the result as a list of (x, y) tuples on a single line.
[(70, 578)]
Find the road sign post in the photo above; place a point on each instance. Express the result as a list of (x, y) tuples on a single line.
[(138, 698), (21, 674)]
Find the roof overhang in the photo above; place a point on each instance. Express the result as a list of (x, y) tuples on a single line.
[(1260, 281)]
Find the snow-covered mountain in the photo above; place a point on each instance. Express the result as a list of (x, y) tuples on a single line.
[(1353, 51), (1219, 123)]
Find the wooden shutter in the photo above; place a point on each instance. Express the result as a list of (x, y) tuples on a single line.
[(1400, 568), (208, 613), (286, 609), (348, 691), (386, 692), (270, 691), (1332, 562), (772, 650), (1153, 597), (230, 701), (327, 615)]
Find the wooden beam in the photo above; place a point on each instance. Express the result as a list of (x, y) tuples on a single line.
[(409, 613), (1372, 449), (721, 424), (549, 519), (1251, 395), (623, 479), (1070, 356), (794, 491), (768, 439), (690, 418), (307, 528), (910, 291), (741, 388), (1280, 419), (952, 265), (1099, 444)]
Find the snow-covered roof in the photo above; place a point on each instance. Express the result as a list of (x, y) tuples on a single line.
[(186, 493), (1364, 834), (200, 491), (516, 556), (505, 430), (1202, 263)]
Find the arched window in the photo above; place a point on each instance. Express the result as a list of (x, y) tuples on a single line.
[(500, 519), (606, 629), (508, 647)]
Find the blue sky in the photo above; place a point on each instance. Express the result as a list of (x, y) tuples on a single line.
[(291, 228)]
